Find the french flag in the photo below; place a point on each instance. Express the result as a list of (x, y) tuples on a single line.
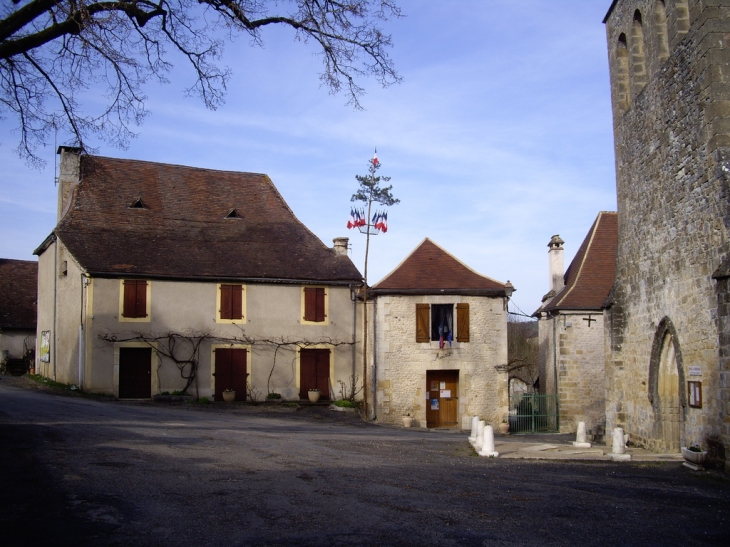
[(352, 223), (375, 157)]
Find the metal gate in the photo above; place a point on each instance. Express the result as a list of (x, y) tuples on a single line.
[(533, 413)]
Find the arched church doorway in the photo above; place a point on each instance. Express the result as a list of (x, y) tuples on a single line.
[(665, 381)]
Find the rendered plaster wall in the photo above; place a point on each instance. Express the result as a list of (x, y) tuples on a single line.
[(12, 340), (401, 363), (272, 316), (672, 144), (59, 311)]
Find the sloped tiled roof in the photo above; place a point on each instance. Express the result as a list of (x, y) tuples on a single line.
[(591, 274), (431, 269), (18, 293), (149, 219)]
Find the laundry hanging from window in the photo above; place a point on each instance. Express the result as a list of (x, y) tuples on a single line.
[(442, 323)]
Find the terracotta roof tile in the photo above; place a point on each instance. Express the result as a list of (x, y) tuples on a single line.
[(180, 229), (18, 293), (591, 274), (429, 267)]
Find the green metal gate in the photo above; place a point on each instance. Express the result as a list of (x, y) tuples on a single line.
[(533, 413)]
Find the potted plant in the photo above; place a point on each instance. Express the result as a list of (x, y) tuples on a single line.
[(504, 427), (407, 420), (229, 395), (694, 454), (314, 395)]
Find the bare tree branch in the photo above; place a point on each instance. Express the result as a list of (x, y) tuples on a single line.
[(55, 52)]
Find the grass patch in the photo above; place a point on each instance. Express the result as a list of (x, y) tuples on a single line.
[(344, 403), (290, 405), (70, 388), (273, 396)]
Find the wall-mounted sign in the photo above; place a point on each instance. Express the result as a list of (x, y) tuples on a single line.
[(45, 346), (434, 404), (443, 385), (434, 385), (445, 393), (694, 392), (695, 371)]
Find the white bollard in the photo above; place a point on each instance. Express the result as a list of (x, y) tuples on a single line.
[(580, 437), (619, 446), (480, 435), (488, 444), (474, 426)]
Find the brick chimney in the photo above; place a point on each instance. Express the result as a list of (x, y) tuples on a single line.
[(555, 259), (340, 245), (69, 175)]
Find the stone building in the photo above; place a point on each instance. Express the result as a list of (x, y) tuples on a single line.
[(18, 295), (439, 350), (570, 326), (667, 331), (143, 250)]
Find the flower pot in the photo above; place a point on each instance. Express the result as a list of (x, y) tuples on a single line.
[(229, 396), (503, 428), (697, 458), (407, 421), (314, 395)]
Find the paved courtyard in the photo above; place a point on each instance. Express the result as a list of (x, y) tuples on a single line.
[(78, 471)]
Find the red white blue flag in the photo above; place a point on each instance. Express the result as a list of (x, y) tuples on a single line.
[(375, 157)]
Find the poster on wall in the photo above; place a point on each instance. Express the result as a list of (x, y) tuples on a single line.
[(434, 385), (445, 393), (695, 394), (45, 346), (434, 404)]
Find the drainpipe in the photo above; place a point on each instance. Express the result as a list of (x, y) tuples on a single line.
[(375, 358), (353, 297), (55, 304)]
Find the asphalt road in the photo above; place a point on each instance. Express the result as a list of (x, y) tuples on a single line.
[(77, 472)]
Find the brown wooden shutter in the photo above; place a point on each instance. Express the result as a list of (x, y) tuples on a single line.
[(423, 325), (319, 313), (130, 298), (314, 309), (135, 298), (310, 304), (226, 310), (462, 322), (236, 302)]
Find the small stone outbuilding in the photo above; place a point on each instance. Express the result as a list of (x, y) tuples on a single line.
[(571, 326), (439, 350), (18, 295)]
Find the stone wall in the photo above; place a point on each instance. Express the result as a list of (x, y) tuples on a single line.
[(578, 366), (672, 144), (401, 363)]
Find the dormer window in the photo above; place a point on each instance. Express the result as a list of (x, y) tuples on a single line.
[(233, 213), (138, 204)]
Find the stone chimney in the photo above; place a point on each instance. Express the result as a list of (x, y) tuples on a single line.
[(555, 258), (341, 245), (69, 175)]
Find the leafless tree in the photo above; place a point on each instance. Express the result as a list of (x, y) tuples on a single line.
[(54, 52), (523, 351)]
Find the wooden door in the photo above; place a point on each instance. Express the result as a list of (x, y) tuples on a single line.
[(135, 373), (314, 372), (442, 408), (230, 372)]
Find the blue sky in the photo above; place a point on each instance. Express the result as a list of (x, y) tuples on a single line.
[(499, 137)]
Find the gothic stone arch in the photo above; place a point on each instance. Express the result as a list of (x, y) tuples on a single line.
[(666, 380)]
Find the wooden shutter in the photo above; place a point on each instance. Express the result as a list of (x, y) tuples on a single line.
[(226, 310), (462, 322), (236, 302), (135, 298), (423, 326), (231, 302), (314, 309)]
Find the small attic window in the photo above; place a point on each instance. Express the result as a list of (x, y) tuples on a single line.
[(138, 204), (233, 213)]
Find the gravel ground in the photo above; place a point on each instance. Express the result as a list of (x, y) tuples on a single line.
[(87, 471)]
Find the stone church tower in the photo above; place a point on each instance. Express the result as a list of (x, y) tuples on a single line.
[(667, 320)]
